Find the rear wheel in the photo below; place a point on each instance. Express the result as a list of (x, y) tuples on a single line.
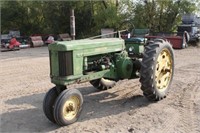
[(184, 43), (157, 69), (103, 84), (186, 39)]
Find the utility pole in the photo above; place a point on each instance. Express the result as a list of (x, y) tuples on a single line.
[(72, 24)]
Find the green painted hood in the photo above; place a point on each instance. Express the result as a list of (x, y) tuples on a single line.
[(104, 44)]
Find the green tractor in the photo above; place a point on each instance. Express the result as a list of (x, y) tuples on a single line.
[(103, 62)]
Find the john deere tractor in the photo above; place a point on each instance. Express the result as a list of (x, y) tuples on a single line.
[(103, 62)]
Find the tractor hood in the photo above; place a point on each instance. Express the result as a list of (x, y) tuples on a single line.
[(103, 45)]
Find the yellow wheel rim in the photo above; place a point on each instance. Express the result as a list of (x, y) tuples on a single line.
[(163, 72), (71, 108)]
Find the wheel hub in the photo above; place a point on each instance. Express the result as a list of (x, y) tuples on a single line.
[(163, 71), (71, 108)]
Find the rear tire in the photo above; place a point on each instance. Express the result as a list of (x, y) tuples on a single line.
[(187, 38), (103, 84), (157, 69), (184, 44)]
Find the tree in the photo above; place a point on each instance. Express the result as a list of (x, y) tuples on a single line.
[(53, 17), (24, 16), (116, 14), (161, 16)]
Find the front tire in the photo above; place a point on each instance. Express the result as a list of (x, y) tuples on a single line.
[(157, 69), (68, 107), (48, 103)]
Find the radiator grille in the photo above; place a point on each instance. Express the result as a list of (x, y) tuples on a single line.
[(65, 63)]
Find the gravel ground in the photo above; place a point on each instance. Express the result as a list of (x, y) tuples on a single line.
[(24, 80)]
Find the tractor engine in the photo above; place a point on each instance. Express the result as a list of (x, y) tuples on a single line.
[(97, 63)]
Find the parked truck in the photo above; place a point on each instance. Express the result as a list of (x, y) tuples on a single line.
[(191, 24), (103, 62)]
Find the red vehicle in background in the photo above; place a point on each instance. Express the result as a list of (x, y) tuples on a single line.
[(13, 43)]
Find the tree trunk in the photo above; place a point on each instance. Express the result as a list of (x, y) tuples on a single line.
[(104, 3)]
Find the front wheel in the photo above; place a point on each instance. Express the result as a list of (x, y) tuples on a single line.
[(157, 69), (48, 103), (68, 107)]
